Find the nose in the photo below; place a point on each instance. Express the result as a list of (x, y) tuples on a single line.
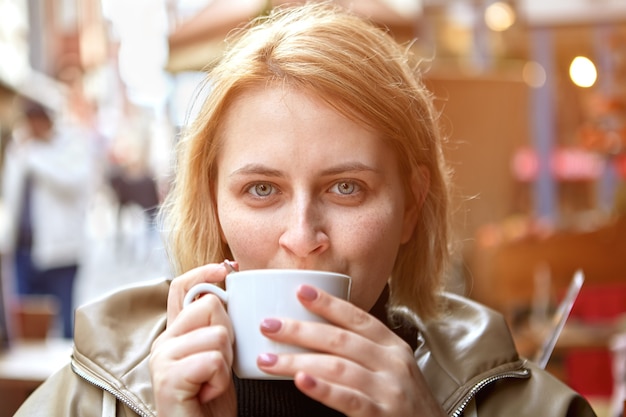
[(304, 234)]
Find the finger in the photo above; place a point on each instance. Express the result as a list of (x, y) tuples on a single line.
[(208, 373), (323, 337), (395, 387), (345, 400), (390, 396), (211, 273), (393, 399), (204, 312), (200, 340), (209, 370), (333, 368), (346, 315)]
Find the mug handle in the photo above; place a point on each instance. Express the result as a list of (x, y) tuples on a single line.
[(204, 288)]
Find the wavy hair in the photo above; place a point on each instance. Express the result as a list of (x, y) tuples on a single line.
[(359, 70)]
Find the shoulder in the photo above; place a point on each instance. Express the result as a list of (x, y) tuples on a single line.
[(131, 313), (113, 335), (112, 342), (469, 349), (136, 303), (466, 332)]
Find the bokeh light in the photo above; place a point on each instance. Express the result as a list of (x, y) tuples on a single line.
[(534, 74), (583, 72), (499, 16)]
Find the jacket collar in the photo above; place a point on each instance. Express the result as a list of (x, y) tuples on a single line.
[(465, 347)]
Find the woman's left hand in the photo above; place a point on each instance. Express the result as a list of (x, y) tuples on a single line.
[(361, 369)]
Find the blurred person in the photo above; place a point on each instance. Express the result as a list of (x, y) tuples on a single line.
[(318, 148), (46, 180), (129, 173), (133, 184)]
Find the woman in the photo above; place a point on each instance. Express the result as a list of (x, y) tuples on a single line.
[(317, 148)]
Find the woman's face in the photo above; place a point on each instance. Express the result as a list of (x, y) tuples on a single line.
[(300, 186)]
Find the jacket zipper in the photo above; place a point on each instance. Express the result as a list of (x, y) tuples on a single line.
[(523, 373), (108, 388)]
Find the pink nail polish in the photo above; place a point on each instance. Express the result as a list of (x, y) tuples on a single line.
[(308, 381), (271, 325), (267, 359), (307, 293)]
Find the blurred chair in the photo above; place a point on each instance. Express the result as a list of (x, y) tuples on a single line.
[(33, 353), (33, 317)]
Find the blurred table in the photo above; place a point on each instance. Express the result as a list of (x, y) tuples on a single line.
[(574, 336), (25, 365)]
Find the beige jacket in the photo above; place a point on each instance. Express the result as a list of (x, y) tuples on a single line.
[(467, 356)]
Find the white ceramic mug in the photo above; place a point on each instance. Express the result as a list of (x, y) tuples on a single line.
[(254, 295)]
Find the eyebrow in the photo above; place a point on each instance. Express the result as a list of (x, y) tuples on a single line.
[(257, 169), (260, 169), (349, 167)]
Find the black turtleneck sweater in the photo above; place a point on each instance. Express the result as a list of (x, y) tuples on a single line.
[(277, 398)]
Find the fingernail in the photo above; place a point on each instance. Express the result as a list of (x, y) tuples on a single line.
[(307, 381), (267, 359), (229, 265), (307, 293), (271, 325)]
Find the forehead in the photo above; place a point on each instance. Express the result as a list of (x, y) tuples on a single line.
[(283, 108), (287, 89), (286, 123), (292, 104)]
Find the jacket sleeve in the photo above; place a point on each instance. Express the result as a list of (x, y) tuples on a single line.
[(540, 395), (67, 394)]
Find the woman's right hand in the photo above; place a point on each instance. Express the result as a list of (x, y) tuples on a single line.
[(191, 360)]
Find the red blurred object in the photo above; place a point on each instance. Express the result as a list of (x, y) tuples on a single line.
[(525, 164), (566, 164), (620, 165), (588, 371), (576, 164)]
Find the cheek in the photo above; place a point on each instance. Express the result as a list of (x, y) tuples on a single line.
[(377, 232), (247, 236), (372, 249)]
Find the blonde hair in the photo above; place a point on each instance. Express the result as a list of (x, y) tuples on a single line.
[(359, 70)]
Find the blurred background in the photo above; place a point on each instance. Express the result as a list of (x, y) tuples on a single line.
[(532, 95)]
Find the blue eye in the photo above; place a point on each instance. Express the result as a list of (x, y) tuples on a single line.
[(262, 189), (345, 188)]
